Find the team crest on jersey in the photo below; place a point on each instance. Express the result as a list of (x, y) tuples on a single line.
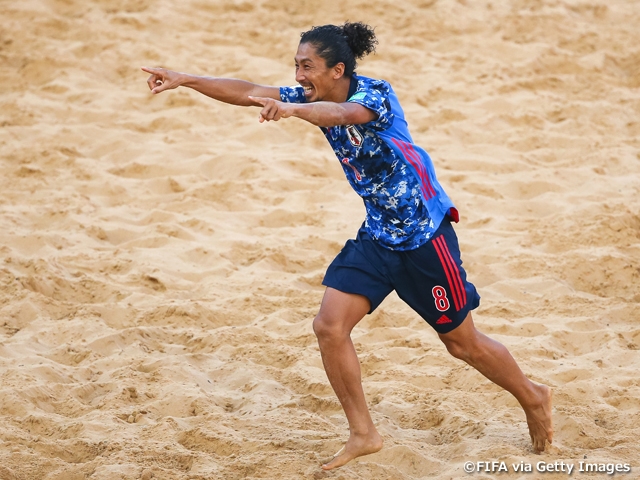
[(355, 137)]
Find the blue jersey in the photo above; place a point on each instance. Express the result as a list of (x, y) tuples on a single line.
[(395, 178)]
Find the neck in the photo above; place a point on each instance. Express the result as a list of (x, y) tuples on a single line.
[(340, 93)]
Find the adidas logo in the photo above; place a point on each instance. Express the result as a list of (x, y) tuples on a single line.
[(443, 319)]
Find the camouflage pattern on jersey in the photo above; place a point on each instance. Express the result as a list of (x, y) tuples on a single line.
[(395, 178)]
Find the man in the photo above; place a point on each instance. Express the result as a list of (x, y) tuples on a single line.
[(407, 242)]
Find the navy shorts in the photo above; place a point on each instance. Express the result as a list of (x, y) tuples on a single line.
[(430, 279)]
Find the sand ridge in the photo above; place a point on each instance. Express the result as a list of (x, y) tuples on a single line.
[(162, 255)]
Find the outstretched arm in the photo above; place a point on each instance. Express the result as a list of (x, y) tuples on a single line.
[(228, 90), (321, 114)]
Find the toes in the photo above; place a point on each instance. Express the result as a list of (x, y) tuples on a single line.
[(338, 461)]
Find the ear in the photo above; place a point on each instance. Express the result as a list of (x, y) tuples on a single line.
[(338, 70)]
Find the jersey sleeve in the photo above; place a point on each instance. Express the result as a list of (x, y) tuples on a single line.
[(375, 96), (292, 94)]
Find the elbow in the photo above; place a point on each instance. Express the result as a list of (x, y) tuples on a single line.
[(332, 121)]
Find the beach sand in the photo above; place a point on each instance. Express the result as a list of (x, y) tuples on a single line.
[(162, 256)]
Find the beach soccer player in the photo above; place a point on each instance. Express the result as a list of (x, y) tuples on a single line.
[(407, 242)]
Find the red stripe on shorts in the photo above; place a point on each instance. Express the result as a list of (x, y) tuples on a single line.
[(457, 278), (451, 271)]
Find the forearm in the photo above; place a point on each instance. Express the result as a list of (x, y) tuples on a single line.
[(329, 114), (228, 90)]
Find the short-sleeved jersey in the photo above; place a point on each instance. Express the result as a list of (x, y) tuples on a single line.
[(395, 178)]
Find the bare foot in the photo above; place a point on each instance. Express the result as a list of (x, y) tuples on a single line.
[(539, 419), (356, 446)]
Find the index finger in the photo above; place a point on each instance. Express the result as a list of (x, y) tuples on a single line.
[(261, 100), (154, 71), (156, 78)]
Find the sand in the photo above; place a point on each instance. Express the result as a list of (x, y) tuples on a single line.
[(161, 256)]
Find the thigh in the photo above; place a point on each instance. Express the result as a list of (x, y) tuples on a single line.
[(464, 338), (342, 311), (434, 283), (361, 269)]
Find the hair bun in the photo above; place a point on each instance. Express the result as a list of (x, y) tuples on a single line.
[(344, 43), (360, 37)]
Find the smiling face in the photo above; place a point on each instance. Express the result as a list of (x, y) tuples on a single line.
[(319, 81)]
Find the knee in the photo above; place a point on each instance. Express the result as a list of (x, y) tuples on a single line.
[(327, 328), (466, 348), (457, 349)]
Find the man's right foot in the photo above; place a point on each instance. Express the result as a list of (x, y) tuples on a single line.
[(356, 446)]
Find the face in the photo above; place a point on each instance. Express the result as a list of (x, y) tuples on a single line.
[(312, 73)]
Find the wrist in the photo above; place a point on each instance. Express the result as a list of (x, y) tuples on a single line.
[(187, 80)]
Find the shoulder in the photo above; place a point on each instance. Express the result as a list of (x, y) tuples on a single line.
[(376, 95), (372, 86)]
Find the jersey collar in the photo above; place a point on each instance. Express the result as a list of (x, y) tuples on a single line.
[(353, 86)]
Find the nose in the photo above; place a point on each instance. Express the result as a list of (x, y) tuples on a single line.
[(299, 75)]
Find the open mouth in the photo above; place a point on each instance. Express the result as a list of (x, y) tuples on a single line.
[(307, 90)]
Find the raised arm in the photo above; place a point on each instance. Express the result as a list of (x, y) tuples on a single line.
[(228, 90)]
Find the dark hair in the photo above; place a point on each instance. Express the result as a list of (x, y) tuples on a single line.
[(345, 43)]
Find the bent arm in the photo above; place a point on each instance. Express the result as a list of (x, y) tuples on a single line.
[(330, 114), (228, 90), (321, 114)]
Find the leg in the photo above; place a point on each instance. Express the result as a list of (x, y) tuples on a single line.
[(339, 313), (495, 362)]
